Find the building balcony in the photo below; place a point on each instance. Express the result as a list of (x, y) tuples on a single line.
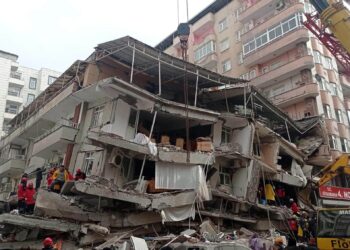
[(209, 62), (332, 126), (15, 99), (343, 130), (347, 103), (9, 116), (295, 95), (13, 167), (260, 8), (56, 140), (277, 47), (344, 80), (202, 26), (16, 78), (284, 71), (270, 21)]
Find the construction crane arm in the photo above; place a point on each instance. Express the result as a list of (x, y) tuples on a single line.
[(334, 17), (341, 165)]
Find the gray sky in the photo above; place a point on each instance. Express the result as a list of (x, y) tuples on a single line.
[(54, 33)]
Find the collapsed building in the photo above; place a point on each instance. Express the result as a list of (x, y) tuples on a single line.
[(165, 146)]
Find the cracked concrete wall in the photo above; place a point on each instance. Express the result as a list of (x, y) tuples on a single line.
[(244, 138)]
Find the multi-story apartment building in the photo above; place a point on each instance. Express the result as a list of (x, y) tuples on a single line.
[(111, 104), (19, 86), (265, 41)]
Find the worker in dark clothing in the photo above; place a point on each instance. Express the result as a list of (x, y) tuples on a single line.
[(38, 179), (293, 226), (79, 175), (21, 193), (29, 197), (48, 244)]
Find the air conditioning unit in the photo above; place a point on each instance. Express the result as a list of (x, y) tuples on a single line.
[(280, 5), (116, 160)]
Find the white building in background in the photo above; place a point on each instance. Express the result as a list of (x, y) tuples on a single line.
[(19, 86)]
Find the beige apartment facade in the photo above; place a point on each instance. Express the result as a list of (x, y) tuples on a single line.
[(266, 43)]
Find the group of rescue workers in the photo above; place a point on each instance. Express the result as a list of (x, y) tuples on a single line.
[(56, 177), (302, 226)]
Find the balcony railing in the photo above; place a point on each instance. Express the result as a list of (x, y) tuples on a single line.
[(16, 75), (11, 111)]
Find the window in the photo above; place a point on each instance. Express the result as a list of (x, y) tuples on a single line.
[(126, 167), (321, 82), (88, 163), (32, 83), (252, 74), (333, 142), (224, 45), (327, 111), (238, 36), (226, 66), (333, 89), (344, 145), (273, 33), (328, 63), (14, 91), (30, 98), (225, 176), (11, 108), (225, 135), (240, 58), (204, 50), (96, 119), (317, 57), (339, 115), (51, 79), (223, 25), (132, 123)]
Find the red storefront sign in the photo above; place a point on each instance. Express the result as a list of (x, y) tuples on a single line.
[(335, 193)]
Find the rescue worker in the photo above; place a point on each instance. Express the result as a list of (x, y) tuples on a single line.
[(21, 193), (29, 198), (281, 194), (79, 175), (49, 177), (59, 178), (39, 177), (293, 226), (48, 244), (294, 206), (270, 194)]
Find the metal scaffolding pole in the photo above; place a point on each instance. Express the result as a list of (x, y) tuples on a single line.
[(132, 65)]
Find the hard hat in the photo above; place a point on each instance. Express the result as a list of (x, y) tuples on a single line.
[(78, 170), (23, 179), (47, 242), (291, 199)]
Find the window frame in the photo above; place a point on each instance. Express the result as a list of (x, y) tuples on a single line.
[(51, 80), (29, 94), (97, 116), (31, 81)]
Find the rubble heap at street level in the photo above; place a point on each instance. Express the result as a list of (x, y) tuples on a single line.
[(165, 165)]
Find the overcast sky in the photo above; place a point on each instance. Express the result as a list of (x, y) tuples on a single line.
[(54, 33)]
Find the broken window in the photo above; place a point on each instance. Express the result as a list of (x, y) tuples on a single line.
[(226, 135), (127, 168), (97, 114), (88, 162), (225, 176)]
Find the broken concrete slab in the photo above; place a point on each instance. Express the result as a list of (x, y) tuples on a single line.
[(54, 205), (37, 222)]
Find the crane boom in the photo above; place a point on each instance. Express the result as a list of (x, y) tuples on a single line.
[(335, 17), (341, 165)]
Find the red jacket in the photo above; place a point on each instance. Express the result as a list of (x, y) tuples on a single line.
[(29, 195), (21, 192), (294, 207)]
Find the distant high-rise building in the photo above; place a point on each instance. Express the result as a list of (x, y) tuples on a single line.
[(265, 42), (19, 86)]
